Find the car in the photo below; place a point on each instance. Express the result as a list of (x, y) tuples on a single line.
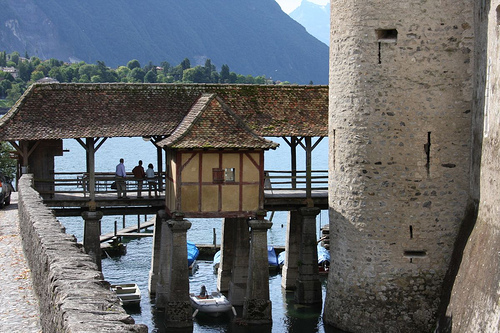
[(5, 190)]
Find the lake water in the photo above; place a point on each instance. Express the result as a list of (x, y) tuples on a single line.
[(135, 265)]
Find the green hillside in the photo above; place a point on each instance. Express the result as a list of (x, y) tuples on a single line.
[(254, 37)]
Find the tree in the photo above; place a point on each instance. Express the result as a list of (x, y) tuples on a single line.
[(96, 79), (166, 66), (14, 57), (149, 67), (68, 73), (88, 70), (37, 75), (224, 74), (150, 77), (177, 72), (4, 86), (122, 73), (54, 63), (55, 73), (14, 93), (25, 70), (133, 64), (194, 75), (3, 59), (185, 64), (35, 61), (7, 165), (136, 75)]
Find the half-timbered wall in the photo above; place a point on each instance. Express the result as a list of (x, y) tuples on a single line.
[(215, 183)]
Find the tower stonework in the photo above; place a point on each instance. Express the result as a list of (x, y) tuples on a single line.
[(400, 127), (474, 304)]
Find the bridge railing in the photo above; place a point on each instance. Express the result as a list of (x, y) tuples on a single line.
[(295, 180), (78, 182)]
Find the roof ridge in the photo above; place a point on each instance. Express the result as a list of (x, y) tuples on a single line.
[(189, 120)]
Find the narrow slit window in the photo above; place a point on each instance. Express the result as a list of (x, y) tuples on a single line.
[(427, 149), (411, 232), (379, 52)]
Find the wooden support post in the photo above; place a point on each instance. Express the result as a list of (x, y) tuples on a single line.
[(90, 152), (159, 155), (308, 167)]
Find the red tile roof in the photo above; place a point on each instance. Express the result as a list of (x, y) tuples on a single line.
[(211, 124), (61, 111)]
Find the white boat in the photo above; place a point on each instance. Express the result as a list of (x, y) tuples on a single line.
[(213, 304), (128, 293)]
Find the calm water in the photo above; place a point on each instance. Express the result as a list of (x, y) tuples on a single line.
[(135, 265)]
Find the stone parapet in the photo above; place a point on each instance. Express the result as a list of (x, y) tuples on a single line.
[(72, 292)]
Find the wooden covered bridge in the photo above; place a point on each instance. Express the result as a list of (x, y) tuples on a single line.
[(210, 143)]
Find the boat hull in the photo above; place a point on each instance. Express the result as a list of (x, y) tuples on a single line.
[(213, 305), (129, 293)]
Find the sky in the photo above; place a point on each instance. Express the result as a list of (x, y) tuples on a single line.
[(289, 5)]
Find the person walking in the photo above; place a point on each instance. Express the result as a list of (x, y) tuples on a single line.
[(150, 175), (121, 174), (139, 175)]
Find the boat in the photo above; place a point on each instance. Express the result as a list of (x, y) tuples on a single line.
[(323, 259), (128, 293), (192, 255), (213, 304), (272, 259)]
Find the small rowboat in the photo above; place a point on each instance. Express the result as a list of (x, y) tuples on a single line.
[(214, 304), (128, 293)]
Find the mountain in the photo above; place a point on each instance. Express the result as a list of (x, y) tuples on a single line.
[(315, 18), (252, 37)]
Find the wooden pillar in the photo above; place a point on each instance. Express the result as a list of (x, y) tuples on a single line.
[(257, 306), (159, 155), (90, 153), (308, 166), (294, 141)]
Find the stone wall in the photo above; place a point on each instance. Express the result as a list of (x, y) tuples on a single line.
[(73, 295), (474, 304), (400, 122)]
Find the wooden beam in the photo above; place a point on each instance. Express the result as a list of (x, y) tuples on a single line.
[(90, 149)]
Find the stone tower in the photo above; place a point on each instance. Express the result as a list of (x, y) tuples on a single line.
[(400, 122)]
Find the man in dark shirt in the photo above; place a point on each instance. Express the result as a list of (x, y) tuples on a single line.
[(139, 175)]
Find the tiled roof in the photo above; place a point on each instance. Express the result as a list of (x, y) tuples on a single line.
[(211, 124), (60, 111)]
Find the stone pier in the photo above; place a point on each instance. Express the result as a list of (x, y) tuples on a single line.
[(92, 234), (227, 251), (257, 306), (239, 276), (155, 256), (290, 271), (172, 291), (308, 288)]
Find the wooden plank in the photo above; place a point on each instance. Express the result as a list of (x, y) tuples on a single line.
[(128, 230)]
